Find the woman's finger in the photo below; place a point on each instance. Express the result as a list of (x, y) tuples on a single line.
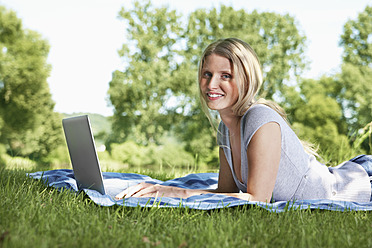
[(133, 190), (130, 191), (146, 191), (124, 192), (120, 195)]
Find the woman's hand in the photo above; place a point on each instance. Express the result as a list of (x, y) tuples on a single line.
[(154, 190), (157, 190)]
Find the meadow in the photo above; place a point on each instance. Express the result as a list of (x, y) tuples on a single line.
[(33, 215)]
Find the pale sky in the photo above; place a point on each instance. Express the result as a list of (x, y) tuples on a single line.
[(85, 36)]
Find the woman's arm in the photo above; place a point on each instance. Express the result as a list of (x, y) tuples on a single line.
[(263, 155), (226, 185), (263, 159)]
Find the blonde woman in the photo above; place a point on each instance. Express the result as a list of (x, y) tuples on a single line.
[(261, 158)]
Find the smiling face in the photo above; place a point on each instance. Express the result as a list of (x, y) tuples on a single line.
[(217, 83)]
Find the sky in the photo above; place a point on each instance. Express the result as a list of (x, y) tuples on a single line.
[(85, 36)]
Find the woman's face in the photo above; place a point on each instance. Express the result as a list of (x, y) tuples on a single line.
[(217, 83)]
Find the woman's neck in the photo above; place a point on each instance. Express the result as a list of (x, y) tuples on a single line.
[(231, 121)]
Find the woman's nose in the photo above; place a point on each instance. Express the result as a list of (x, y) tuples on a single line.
[(213, 83)]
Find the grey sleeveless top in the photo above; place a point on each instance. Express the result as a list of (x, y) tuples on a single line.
[(300, 175)]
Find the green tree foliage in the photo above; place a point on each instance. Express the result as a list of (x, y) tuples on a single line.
[(139, 93), (331, 111), (356, 75), (356, 39), (169, 155), (356, 95), (316, 115), (158, 91), (29, 127)]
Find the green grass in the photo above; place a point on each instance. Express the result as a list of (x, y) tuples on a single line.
[(32, 215)]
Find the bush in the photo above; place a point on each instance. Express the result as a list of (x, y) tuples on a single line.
[(173, 155), (170, 154), (57, 158), (131, 153)]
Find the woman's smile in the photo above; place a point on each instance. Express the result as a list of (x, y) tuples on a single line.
[(214, 96)]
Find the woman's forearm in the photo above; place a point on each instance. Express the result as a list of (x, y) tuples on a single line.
[(156, 190), (242, 196)]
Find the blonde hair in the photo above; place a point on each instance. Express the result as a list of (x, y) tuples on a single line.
[(248, 77)]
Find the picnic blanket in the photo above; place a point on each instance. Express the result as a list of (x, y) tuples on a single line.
[(116, 182)]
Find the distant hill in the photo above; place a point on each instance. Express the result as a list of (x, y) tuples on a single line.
[(98, 122)]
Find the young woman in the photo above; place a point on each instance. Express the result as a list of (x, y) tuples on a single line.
[(261, 158)]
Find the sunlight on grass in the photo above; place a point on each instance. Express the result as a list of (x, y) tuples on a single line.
[(38, 216), (31, 213), (18, 162)]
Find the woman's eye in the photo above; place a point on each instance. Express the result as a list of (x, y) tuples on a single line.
[(207, 75), (226, 76)]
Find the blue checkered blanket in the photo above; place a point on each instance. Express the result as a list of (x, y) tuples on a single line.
[(116, 182)]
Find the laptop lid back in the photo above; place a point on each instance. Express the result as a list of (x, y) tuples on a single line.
[(83, 155)]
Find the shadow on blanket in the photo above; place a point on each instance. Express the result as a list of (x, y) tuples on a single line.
[(116, 182)]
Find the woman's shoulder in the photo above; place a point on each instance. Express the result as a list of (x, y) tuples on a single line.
[(256, 117), (260, 114), (259, 108)]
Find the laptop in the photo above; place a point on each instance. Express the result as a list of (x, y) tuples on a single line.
[(83, 154)]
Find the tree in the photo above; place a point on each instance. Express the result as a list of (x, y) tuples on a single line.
[(356, 74), (331, 110), (316, 115), (140, 93), (29, 125), (356, 39), (157, 91), (356, 95)]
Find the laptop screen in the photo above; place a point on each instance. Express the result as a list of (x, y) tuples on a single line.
[(83, 155)]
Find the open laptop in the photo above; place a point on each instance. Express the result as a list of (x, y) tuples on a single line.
[(83, 155)]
